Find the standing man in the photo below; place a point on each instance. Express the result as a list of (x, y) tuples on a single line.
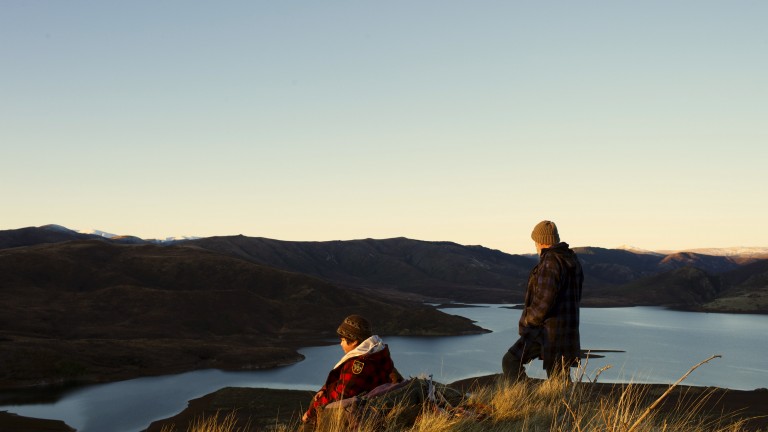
[(549, 325)]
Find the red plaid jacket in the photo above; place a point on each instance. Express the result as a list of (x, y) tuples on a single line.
[(355, 376)]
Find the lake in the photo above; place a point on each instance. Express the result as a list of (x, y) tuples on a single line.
[(658, 345)]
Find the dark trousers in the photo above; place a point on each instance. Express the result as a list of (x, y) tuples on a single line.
[(513, 367)]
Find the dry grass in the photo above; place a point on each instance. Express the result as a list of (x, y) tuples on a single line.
[(214, 423), (530, 406)]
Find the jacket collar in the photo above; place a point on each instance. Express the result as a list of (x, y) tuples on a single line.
[(369, 346)]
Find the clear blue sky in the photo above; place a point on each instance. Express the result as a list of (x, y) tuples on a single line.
[(641, 123)]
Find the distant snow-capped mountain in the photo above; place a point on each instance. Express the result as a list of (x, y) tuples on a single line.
[(98, 233), (171, 239), (162, 240), (108, 235), (638, 250), (740, 251)]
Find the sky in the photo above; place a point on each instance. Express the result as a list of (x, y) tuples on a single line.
[(624, 122)]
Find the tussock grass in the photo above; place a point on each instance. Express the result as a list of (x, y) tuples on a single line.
[(529, 406), (214, 423)]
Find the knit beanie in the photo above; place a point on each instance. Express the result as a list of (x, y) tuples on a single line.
[(545, 232), (355, 328)]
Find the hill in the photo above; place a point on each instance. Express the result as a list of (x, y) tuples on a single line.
[(742, 290), (440, 271), (92, 310), (678, 288), (38, 235), (443, 271), (432, 270), (611, 267), (745, 290)]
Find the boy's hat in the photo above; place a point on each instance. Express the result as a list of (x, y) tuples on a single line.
[(355, 327)]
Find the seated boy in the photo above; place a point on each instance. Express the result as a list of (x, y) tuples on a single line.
[(366, 364)]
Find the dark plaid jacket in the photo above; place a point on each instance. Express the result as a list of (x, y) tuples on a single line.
[(551, 314), (355, 376)]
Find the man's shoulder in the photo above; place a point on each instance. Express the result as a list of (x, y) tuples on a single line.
[(559, 253)]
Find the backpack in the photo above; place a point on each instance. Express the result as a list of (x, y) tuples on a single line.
[(397, 404)]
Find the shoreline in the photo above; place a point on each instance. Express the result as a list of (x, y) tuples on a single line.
[(51, 391), (262, 407)]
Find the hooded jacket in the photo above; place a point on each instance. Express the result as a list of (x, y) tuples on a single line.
[(360, 370)]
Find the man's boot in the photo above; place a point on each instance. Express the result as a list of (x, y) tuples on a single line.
[(559, 371), (512, 368)]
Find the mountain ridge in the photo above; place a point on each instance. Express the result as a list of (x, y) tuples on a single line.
[(741, 251), (445, 271)]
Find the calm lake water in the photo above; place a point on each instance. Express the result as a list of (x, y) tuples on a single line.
[(659, 347)]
